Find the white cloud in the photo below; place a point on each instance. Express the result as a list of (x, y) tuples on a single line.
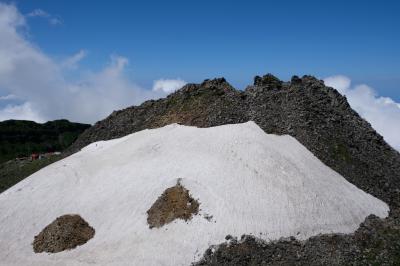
[(8, 97), (20, 112), (72, 61), (382, 112), (168, 85), (99, 93), (41, 83), (339, 82), (53, 20), (38, 13)]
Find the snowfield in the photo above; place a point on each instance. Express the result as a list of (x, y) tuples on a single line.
[(250, 182)]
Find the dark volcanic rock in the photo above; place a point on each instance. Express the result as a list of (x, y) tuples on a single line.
[(214, 102), (376, 242), (316, 115)]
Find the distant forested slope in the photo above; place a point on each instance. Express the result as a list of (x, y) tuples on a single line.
[(21, 138)]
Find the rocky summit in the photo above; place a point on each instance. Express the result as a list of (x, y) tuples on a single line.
[(319, 118)]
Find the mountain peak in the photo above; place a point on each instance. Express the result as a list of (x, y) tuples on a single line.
[(316, 115), (267, 80)]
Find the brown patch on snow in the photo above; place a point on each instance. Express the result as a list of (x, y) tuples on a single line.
[(174, 203), (66, 232)]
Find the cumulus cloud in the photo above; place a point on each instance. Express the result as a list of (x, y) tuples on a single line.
[(97, 94), (168, 85), (339, 82), (53, 20), (382, 113), (20, 112), (41, 85)]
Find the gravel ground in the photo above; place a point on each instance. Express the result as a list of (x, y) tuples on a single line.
[(174, 203), (66, 232)]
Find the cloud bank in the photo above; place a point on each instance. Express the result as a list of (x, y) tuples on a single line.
[(381, 112), (35, 86), (21, 112)]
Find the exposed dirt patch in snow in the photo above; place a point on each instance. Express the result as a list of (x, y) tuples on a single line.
[(174, 203), (66, 232)]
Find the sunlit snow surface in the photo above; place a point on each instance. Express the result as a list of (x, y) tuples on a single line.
[(249, 181)]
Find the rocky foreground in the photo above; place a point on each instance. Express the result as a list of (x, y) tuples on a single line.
[(318, 117)]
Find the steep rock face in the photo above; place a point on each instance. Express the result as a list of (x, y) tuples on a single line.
[(322, 120), (316, 115)]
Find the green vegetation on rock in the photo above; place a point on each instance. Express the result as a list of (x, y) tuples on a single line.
[(340, 152)]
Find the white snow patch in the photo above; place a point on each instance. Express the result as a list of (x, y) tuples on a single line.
[(248, 181)]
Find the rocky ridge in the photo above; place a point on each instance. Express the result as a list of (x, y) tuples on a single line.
[(317, 116)]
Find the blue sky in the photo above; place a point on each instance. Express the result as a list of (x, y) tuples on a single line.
[(195, 40), (81, 60)]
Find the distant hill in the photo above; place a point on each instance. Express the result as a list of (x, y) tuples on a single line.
[(22, 138)]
